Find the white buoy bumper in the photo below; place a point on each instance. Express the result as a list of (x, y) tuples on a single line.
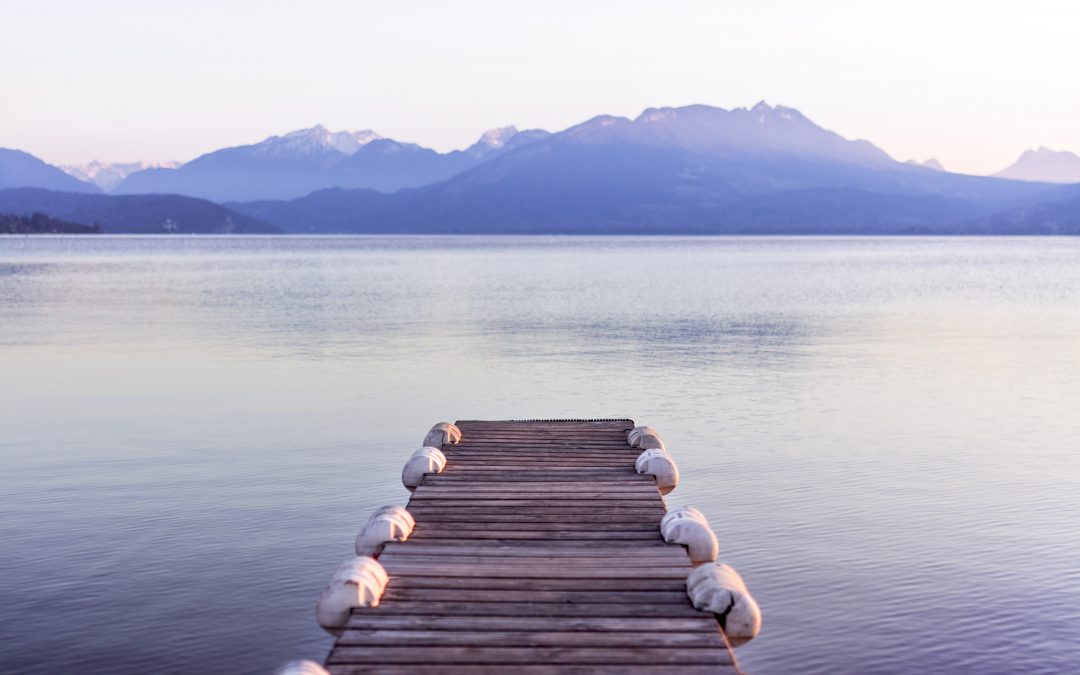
[(687, 526), (442, 434), (304, 667), (658, 463), (389, 523), (424, 461), (645, 438), (358, 582), (719, 589)]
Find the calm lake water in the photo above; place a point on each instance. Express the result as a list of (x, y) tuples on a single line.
[(884, 433)]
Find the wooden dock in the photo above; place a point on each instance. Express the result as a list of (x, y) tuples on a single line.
[(536, 550)]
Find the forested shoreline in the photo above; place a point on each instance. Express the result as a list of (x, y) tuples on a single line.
[(39, 223)]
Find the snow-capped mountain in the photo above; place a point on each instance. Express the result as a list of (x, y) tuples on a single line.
[(301, 162), (1044, 165), (108, 175), (316, 140), (502, 139)]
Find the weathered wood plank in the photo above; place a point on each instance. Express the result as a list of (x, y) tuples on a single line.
[(537, 464), (504, 638), (632, 545), (529, 669), (535, 482), (536, 596), (448, 655), (452, 525), (670, 552), (514, 583), (552, 468), (571, 513), (476, 486), (561, 495), (496, 571), (514, 563), (702, 623), (552, 472), (531, 463), (509, 535), (538, 609), (568, 458), (562, 450), (435, 515), (601, 503)]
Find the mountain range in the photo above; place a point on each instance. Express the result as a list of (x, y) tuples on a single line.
[(298, 163), (694, 169)]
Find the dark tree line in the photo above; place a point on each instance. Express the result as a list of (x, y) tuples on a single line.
[(39, 223)]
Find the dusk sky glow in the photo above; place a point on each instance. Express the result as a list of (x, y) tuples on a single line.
[(970, 83)]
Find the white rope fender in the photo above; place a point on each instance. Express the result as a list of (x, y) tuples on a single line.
[(423, 461), (358, 582), (387, 524), (303, 667), (442, 434), (659, 463), (719, 589), (645, 438), (688, 526)]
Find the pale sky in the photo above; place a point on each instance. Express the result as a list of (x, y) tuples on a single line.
[(970, 83)]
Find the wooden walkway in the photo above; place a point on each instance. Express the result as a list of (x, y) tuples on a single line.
[(536, 550)]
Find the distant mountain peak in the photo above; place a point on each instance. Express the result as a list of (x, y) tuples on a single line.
[(1046, 165), (593, 128), (928, 164), (655, 115), (788, 113), (767, 113), (503, 139), (498, 137), (761, 130), (761, 112), (315, 140)]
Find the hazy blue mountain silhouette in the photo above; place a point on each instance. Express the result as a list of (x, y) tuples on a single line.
[(285, 167), (929, 164), (1057, 215), (1044, 165), (135, 214), (19, 169), (696, 169), (108, 175)]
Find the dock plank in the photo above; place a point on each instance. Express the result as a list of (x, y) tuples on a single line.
[(527, 669), (448, 655)]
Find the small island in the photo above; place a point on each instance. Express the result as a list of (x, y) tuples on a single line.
[(39, 223)]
